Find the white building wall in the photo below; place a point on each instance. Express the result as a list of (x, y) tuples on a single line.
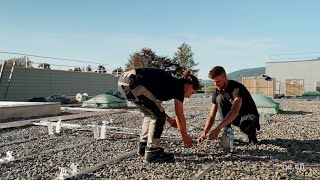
[(308, 70)]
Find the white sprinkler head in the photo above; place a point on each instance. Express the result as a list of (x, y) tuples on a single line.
[(103, 130), (63, 173), (50, 129), (58, 126), (9, 156), (74, 167), (95, 130)]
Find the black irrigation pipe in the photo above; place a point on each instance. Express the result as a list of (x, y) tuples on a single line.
[(201, 174), (102, 164), (50, 151), (18, 141)]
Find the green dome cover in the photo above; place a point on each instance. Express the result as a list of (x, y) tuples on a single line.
[(265, 104), (311, 93), (263, 101), (107, 100)]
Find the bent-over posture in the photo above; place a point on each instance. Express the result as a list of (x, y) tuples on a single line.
[(147, 88), (236, 105)]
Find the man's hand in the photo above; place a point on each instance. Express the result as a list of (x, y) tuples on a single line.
[(202, 137), (172, 122), (187, 141), (214, 134)]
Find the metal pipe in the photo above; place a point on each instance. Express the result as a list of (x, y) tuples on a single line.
[(102, 164)]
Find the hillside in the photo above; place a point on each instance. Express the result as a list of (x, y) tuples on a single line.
[(237, 75)]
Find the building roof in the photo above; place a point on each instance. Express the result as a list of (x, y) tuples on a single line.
[(318, 59)]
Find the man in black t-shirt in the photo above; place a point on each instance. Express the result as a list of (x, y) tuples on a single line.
[(235, 104), (147, 88)]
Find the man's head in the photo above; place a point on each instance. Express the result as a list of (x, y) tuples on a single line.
[(191, 84), (219, 77)]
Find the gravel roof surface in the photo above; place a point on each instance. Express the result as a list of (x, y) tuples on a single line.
[(287, 149)]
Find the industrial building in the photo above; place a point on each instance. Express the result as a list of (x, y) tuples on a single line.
[(18, 83), (293, 78)]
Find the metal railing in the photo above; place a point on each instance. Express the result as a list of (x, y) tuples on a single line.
[(54, 63)]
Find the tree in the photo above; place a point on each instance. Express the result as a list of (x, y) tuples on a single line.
[(147, 58), (184, 57), (171, 67), (101, 69), (144, 58), (20, 62), (44, 66), (88, 68), (77, 69)]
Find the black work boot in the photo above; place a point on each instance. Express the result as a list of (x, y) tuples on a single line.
[(142, 148), (253, 138), (154, 155), (251, 131), (258, 126), (252, 135)]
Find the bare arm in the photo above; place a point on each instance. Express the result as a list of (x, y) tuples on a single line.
[(209, 123), (211, 118), (180, 119), (171, 121), (168, 118), (181, 123), (233, 113)]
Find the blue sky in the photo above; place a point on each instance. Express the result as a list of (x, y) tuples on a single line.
[(233, 34)]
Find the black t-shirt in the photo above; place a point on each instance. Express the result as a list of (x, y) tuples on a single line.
[(234, 89), (161, 84)]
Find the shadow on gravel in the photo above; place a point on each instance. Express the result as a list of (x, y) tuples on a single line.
[(196, 158), (296, 112), (300, 151)]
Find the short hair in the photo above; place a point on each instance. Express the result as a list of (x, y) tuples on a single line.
[(216, 71)]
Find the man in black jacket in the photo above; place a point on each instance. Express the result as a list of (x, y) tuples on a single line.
[(236, 105)]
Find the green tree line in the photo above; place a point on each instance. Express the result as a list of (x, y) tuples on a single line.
[(182, 60)]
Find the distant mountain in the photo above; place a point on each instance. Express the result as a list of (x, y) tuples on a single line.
[(252, 72), (237, 75), (207, 82)]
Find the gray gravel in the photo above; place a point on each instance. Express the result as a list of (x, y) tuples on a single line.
[(188, 162), (46, 142), (20, 133), (281, 143), (47, 166)]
